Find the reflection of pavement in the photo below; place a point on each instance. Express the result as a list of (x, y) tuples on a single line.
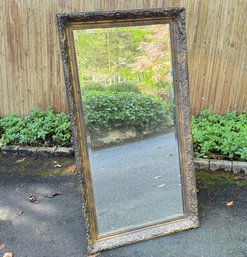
[(136, 183)]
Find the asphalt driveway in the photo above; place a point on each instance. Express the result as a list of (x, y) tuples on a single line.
[(54, 226)]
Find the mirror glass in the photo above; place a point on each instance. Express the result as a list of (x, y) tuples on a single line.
[(126, 81)]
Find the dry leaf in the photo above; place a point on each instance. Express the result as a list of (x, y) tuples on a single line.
[(8, 254), (2, 246), (21, 160), (230, 203), (241, 177), (157, 177), (94, 255), (71, 168), (32, 198), (57, 165), (161, 185)]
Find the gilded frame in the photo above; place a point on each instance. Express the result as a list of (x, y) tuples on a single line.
[(66, 23)]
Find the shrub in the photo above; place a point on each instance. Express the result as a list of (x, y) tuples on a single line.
[(108, 110), (223, 135), (214, 135), (95, 86), (123, 87), (36, 128), (115, 87)]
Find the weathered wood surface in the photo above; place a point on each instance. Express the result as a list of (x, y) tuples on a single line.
[(31, 74)]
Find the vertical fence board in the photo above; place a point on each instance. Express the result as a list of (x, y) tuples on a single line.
[(3, 90)]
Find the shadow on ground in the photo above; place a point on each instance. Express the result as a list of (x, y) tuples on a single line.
[(54, 226)]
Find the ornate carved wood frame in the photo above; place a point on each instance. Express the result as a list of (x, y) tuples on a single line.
[(67, 22)]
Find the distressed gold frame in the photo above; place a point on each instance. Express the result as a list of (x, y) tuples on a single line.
[(67, 22)]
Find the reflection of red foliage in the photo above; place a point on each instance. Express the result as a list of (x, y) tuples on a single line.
[(156, 54)]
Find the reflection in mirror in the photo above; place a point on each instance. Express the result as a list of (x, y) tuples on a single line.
[(128, 100)]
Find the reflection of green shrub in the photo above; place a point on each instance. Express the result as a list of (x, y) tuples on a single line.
[(108, 110), (124, 87), (220, 134), (115, 87), (36, 128), (94, 86)]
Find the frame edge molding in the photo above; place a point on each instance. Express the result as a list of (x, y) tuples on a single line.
[(175, 15)]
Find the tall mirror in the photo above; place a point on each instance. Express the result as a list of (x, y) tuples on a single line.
[(127, 88)]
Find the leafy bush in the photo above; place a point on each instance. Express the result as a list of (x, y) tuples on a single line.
[(115, 87), (223, 136), (108, 110), (124, 87), (95, 86), (37, 128)]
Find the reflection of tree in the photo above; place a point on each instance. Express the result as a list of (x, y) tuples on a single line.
[(154, 63), (110, 55), (103, 55)]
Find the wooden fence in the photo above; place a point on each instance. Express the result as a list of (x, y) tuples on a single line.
[(31, 74)]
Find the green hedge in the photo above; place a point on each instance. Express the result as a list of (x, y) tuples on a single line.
[(109, 110), (220, 136), (114, 87)]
